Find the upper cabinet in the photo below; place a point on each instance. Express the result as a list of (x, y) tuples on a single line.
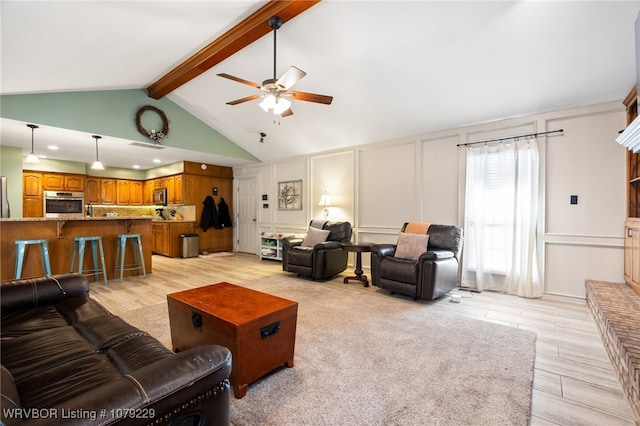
[(108, 191), (147, 192), (92, 190), (62, 182), (136, 193), (188, 188)]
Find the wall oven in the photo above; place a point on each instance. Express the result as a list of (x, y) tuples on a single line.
[(63, 204)]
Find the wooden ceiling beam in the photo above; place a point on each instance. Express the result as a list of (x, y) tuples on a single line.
[(237, 38)]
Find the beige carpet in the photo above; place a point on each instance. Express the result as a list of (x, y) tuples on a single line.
[(364, 359)]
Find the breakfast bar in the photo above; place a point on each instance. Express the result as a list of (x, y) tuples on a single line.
[(61, 234)]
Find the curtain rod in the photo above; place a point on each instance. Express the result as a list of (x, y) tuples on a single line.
[(530, 135)]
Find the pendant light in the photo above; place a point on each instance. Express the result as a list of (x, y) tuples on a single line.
[(32, 157), (97, 165)]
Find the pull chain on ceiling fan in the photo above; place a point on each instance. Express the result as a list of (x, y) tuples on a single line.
[(276, 96)]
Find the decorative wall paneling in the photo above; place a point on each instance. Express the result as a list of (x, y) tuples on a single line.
[(422, 178)]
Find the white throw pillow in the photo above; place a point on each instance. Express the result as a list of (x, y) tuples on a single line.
[(315, 236), (411, 246)]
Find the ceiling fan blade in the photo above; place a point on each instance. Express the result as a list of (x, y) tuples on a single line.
[(240, 80), (286, 113), (312, 97), (239, 101), (291, 77)]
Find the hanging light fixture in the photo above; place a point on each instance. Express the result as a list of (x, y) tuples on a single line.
[(97, 165), (275, 103), (32, 157)]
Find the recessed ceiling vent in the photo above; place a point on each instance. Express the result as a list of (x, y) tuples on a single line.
[(147, 145)]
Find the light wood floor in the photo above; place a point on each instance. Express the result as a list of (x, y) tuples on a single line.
[(574, 383)]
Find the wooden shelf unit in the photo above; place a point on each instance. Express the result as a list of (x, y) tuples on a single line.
[(632, 223)]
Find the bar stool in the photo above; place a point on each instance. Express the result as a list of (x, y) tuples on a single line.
[(96, 245), (121, 254), (21, 246)]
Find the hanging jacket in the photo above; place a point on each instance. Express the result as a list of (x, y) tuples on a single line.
[(223, 213), (209, 217)]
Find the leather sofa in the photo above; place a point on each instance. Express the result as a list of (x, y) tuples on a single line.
[(67, 361), (324, 259), (433, 274)]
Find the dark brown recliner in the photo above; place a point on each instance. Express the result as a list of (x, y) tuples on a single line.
[(324, 260), (435, 272)]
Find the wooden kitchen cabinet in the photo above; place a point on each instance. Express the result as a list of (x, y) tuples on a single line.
[(147, 192), (108, 191), (169, 183), (32, 194), (62, 182), (160, 182), (123, 193), (92, 190), (32, 184), (53, 182), (166, 237), (161, 238), (135, 193), (74, 183), (178, 189)]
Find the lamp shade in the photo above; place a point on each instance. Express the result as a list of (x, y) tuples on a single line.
[(325, 200), (268, 102), (32, 158), (281, 105), (97, 165)]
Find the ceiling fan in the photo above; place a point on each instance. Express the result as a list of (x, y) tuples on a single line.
[(276, 94)]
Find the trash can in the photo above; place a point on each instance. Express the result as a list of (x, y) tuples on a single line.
[(189, 243)]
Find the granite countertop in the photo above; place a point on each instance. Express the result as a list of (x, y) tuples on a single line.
[(57, 219)]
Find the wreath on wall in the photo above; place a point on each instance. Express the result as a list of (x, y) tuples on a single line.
[(154, 135)]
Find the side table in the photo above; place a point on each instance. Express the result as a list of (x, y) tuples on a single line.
[(358, 249)]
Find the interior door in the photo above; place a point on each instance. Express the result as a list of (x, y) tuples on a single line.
[(247, 215)]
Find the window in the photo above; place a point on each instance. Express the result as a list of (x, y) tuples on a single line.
[(501, 209)]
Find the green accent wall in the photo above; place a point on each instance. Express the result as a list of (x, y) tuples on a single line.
[(113, 112), (11, 167)]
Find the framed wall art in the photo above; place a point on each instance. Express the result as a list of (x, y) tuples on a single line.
[(290, 195)]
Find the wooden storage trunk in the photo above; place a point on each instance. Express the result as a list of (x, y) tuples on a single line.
[(258, 328)]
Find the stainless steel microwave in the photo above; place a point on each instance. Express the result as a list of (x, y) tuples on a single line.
[(160, 197)]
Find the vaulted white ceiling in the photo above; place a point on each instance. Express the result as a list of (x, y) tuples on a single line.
[(395, 69)]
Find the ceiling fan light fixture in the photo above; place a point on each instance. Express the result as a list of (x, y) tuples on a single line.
[(268, 102), (281, 105)]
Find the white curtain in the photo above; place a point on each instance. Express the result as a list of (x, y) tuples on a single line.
[(501, 211)]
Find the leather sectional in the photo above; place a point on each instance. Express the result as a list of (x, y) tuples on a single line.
[(67, 361)]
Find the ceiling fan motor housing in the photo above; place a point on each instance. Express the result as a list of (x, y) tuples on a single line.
[(271, 84)]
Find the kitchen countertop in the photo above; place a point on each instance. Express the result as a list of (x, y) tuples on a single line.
[(58, 219)]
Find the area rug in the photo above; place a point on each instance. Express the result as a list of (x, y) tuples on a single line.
[(365, 359)]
